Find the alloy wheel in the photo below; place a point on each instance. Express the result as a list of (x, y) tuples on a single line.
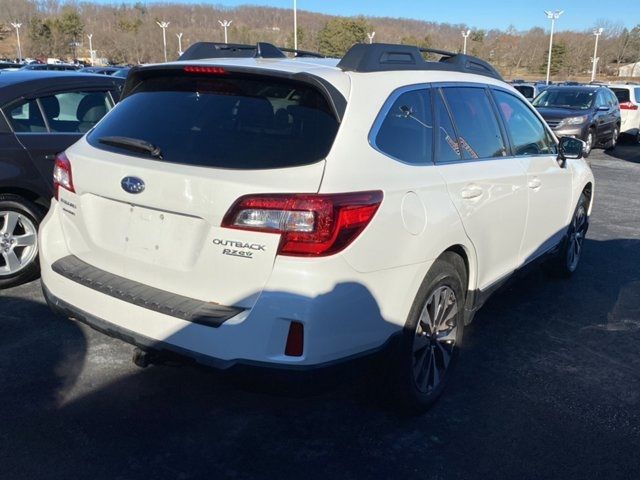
[(589, 143), (435, 339), (18, 242), (576, 237)]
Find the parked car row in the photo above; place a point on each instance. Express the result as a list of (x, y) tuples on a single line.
[(595, 113)]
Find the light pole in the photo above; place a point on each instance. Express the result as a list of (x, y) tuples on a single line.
[(164, 25), (179, 35), (90, 36), (295, 24), (17, 26), (225, 24), (370, 36), (553, 16), (465, 35), (597, 32)]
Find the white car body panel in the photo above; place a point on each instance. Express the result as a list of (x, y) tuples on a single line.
[(630, 118), (350, 302)]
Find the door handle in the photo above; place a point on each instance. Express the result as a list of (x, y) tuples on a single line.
[(470, 192), (50, 156), (535, 183)]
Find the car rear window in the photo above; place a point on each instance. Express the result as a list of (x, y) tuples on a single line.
[(232, 121), (525, 90), (622, 94)]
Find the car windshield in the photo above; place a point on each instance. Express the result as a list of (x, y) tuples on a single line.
[(569, 98)]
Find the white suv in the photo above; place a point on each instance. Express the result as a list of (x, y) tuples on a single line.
[(629, 98), (299, 212)]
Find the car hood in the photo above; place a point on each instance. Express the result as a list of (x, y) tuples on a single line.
[(556, 113)]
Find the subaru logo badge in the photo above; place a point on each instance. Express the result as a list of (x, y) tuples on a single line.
[(132, 185)]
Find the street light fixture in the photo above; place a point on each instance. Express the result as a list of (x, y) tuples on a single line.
[(17, 26), (295, 24), (225, 24), (164, 25), (370, 36), (465, 34), (553, 16), (597, 32), (179, 35), (90, 36)]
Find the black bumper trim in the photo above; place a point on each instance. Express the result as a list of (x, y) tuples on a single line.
[(65, 309), (151, 298)]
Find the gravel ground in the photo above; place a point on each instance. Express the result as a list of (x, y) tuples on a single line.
[(548, 387)]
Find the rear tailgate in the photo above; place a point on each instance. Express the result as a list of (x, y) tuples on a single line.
[(217, 145)]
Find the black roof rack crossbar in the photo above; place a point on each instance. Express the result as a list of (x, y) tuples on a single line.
[(204, 50), (384, 57), (302, 53)]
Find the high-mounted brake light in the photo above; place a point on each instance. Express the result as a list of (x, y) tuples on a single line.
[(62, 174), (208, 70), (310, 224), (628, 106)]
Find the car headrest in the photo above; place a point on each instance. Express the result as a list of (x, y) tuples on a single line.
[(51, 106), (91, 108), (256, 111)]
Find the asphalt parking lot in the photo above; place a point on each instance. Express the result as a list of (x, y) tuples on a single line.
[(548, 387)]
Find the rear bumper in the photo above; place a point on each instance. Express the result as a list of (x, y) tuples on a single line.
[(62, 308), (345, 314)]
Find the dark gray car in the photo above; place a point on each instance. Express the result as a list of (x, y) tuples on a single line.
[(588, 112), (42, 113)]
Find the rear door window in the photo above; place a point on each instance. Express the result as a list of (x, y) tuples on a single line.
[(406, 133), (237, 121), (25, 117), (622, 94), (75, 112), (479, 133)]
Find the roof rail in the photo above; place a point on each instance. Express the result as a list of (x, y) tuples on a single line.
[(383, 57), (203, 50)]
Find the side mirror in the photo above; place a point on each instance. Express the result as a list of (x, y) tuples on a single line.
[(571, 148)]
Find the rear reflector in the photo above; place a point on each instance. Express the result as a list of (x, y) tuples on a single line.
[(310, 224), (208, 70), (62, 174), (628, 106), (295, 340)]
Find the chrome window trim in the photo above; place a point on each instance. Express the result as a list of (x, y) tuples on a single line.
[(382, 115)]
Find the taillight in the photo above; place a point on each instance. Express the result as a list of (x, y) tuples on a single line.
[(310, 224), (628, 106), (62, 174), (207, 70)]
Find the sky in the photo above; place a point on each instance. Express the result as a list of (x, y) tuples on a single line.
[(522, 14)]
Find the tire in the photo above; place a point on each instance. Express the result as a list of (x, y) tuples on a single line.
[(419, 384), (611, 145), (566, 261), (590, 141), (19, 223)]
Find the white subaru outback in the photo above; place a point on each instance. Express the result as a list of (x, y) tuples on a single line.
[(244, 208)]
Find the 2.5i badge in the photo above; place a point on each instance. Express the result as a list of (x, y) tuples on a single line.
[(239, 249)]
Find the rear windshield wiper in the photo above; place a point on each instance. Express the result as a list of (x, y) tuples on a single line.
[(133, 144)]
